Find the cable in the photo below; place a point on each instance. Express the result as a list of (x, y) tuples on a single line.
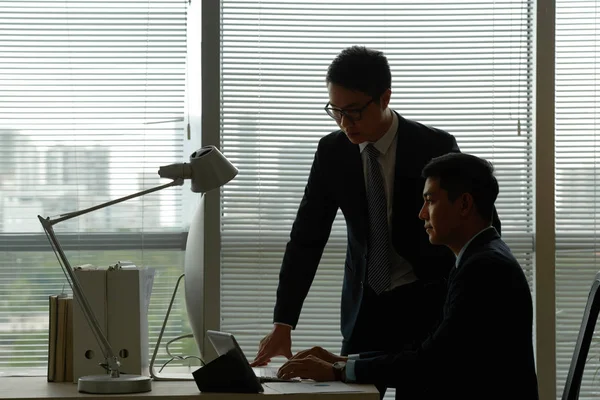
[(177, 357)]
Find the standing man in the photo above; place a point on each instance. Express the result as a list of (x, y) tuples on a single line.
[(394, 279), (483, 348)]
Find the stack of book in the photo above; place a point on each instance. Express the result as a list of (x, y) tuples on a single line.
[(60, 339)]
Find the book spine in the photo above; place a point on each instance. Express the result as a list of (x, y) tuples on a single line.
[(52, 335)]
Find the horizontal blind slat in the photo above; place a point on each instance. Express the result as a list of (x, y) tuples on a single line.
[(577, 168), (463, 66), (93, 101)]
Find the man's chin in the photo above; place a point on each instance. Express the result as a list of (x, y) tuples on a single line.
[(355, 138), (433, 239)]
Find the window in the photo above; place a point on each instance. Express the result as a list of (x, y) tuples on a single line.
[(577, 158), (462, 66), (92, 102)]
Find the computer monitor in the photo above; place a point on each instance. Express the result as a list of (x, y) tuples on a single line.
[(193, 293), (194, 275)]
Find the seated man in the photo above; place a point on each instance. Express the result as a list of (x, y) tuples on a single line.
[(483, 347)]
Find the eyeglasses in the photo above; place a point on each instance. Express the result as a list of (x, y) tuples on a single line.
[(354, 114)]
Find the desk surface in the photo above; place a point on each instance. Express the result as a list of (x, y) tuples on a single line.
[(38, 388)]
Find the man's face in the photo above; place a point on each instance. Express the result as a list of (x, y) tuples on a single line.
[(358, 114), (441, 216)]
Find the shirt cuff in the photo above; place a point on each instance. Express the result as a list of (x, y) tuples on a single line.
[(350, 374), (281, 323), (353, 356)]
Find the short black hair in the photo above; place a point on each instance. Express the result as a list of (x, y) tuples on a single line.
[(361, 69), (460, 173)]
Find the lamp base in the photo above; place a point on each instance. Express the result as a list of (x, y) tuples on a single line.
[(105, 384)]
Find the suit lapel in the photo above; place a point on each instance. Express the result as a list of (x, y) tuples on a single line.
[(356, 190), (452, 273), (408, 185), (406, 151)]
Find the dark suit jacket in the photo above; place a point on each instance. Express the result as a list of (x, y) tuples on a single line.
[(336, 180), (483, 348)]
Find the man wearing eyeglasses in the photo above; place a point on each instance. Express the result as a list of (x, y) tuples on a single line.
[(394, 279)]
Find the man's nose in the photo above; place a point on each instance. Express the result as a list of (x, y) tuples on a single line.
[(346, 122), (423, 213)]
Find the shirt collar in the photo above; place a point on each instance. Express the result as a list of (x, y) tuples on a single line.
[(384, 143), (462, 251)]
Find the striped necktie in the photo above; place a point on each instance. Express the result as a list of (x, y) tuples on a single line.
[(378, 260)]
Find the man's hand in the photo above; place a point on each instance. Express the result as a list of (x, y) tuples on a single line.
[(276, 343), (310, 367), (319, 353)]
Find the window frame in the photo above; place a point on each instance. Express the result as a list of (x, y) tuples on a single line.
[(544, 216), (543, 176)]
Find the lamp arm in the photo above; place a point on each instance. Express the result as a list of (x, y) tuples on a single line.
[(64, 217), (112, 362), (108, 353)]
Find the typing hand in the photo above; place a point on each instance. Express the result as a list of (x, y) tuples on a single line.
[(319, 353), (310, 367)]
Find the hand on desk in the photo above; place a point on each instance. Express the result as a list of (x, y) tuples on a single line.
[(315, 363), (276, 343)]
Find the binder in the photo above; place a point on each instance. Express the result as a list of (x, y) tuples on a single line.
[(87, 354), (128, 299), (69, 344)]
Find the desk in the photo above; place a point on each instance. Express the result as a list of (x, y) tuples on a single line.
[(37, 388)]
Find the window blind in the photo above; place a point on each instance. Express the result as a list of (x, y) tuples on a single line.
[(92, 95), (464, 66), (577, 180)]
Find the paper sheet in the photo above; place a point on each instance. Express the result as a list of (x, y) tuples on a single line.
[(310, 387)]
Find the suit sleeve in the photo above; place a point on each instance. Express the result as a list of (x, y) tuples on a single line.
[(308, 238), (454, 339)]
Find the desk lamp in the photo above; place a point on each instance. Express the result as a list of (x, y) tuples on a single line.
[(208, 169)]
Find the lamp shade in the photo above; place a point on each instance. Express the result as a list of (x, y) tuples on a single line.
[(208, 169)]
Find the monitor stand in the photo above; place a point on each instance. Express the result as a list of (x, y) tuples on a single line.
[(183, 373)]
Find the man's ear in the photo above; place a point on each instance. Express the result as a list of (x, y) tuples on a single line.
[(384, 99), (466, 204)]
